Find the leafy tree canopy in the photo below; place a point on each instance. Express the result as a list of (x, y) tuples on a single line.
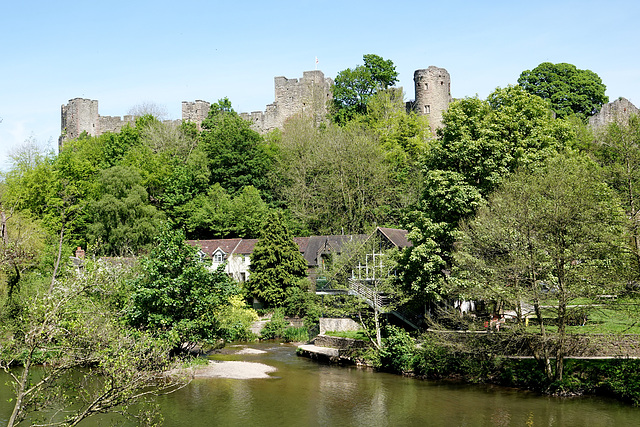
[(480, 145), (353, 88), (487, 140), (335, 178), (569, 89), (617, 149), (559, 229), (121, 219), (176, 294), (238, 155), (217, 214)]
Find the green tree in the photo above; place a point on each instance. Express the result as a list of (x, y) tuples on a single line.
[(353, 88), (404, 138), (335, 179), (485, 141), (88, 363), (617, 148), (238, 155), (21, 242), (480, 145), (569, 89), (121, 218), (276, 263), (558, 228), (432, 226), (217, 214), (176, 295)]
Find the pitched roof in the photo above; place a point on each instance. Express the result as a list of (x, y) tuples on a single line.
[(311, 247), (209, 246), (396, 236), (245, 247)]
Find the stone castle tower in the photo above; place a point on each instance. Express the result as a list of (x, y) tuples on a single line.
[(433, 94), (619, 110), (307, 95), (81, 115), (78, 116)]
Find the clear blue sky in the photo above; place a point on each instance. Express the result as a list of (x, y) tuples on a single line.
[(124, 53)]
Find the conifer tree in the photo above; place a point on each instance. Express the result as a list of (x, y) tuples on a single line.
[(276, 263)]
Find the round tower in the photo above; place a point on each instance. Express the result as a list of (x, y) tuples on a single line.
[(433, 94), (79, 115)]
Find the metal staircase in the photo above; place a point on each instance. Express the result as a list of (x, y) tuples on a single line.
[(380, 301)]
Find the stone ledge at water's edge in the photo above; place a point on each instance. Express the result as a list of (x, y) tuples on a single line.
[(333, 349)]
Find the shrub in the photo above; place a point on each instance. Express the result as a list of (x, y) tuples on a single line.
[(276, 327), (235, 319), (398, 351), (293, 334)]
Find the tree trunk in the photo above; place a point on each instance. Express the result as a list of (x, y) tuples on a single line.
[(542, 353), (21, 392), (55, 269), (562, 337)]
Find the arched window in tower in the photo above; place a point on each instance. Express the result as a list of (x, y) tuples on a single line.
[(426, 86), (427, 109)]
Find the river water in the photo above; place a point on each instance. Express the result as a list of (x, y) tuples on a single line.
[(306, 393)]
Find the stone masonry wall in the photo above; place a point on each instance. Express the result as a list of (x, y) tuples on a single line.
[(337, 325), (619, 110), (195, 111), (308, 95), (433, 94)]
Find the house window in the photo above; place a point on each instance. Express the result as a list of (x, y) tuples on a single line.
[(218, 257)]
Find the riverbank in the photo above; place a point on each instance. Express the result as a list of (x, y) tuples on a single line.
[(599, 365)]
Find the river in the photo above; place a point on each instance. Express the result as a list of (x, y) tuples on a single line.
[(306, 393)]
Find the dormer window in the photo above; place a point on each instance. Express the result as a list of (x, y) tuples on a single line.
[(218, 256)]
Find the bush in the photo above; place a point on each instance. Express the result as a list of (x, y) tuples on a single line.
[(398, 351), (432, 361), (293, 334), (276, 327), (619, 377), (235, 319)]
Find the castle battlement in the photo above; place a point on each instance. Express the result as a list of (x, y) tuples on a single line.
[(309, 95)]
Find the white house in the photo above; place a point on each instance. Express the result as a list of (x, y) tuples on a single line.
[(236, 253)]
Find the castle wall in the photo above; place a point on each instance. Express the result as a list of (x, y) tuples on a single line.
[(307, 95), (433, 94), (113, 123), (77, 116), (619, 110), (195, 111)]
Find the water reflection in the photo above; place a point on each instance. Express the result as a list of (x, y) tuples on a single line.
[(303, 392)]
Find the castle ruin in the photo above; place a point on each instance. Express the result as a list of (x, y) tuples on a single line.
[(433, 94), (307, 95), (619, 110), (81, 115)]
